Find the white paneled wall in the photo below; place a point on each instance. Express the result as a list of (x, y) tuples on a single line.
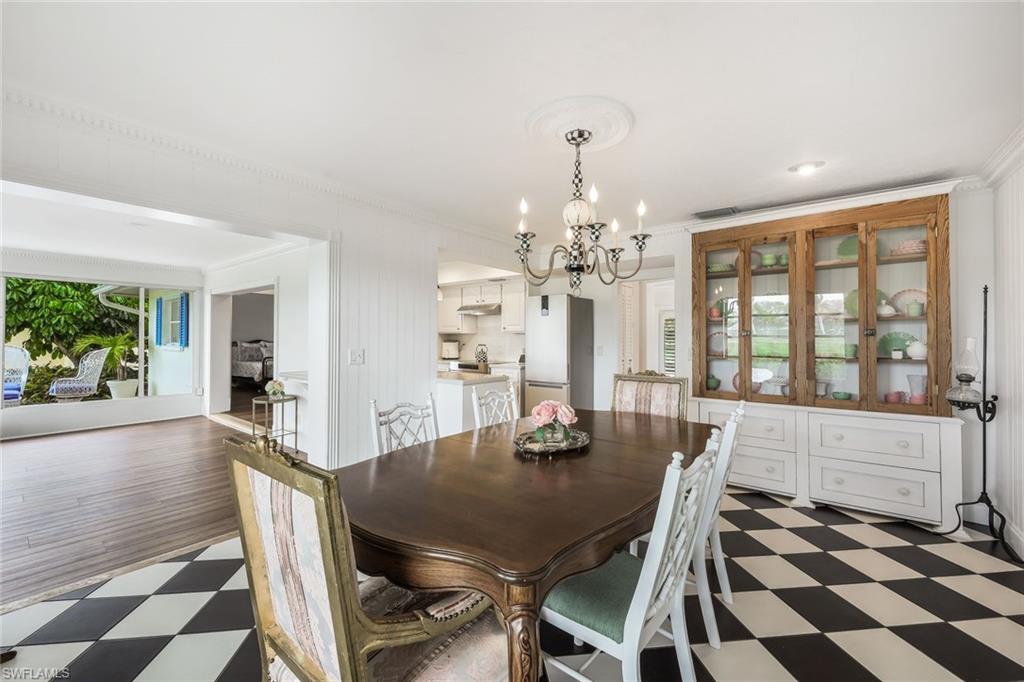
[(1007, 311)]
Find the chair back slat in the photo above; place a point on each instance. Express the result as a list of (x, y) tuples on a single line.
[(650, 393), (299, 559), (495, 407), (676, 525), (403, 425)]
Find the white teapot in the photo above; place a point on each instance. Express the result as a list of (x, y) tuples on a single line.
[(917, 350), (885, 310)]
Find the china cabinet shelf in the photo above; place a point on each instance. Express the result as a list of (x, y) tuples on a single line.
[(812, 244), (840, 263)]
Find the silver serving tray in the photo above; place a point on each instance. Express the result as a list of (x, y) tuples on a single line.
[(527, 444)]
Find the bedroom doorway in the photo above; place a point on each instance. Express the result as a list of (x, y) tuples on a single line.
[(243, 335)]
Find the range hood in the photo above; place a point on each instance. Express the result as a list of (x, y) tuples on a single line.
[(480, 309)]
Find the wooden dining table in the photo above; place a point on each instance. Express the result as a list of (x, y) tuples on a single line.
[(468, 511)]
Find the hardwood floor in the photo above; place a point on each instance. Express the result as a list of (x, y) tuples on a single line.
[(241, 401), (83, 504)]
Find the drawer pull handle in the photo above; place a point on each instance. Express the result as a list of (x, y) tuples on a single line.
[(770, 469), (904, 491), (838, 480), (838, 436), (769, 429), (903, 444)]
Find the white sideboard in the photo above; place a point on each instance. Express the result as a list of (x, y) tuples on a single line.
[(905, 466)]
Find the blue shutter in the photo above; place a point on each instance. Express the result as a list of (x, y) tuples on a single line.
[(183, 327), (159, 321)]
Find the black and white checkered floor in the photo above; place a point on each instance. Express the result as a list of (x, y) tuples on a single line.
[(820, 594)]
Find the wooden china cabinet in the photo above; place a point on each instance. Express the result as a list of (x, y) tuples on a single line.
[(846, 310), (835, 328)]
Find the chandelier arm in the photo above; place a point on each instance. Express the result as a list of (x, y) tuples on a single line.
[(607, 264), (541, 279), (639, 264)]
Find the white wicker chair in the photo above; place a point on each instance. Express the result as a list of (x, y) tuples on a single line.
[(495, 407), (15, 374), (83, 384), (403, 425)]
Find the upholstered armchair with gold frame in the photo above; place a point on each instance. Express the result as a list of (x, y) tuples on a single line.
[(313, 620), (650, 393)]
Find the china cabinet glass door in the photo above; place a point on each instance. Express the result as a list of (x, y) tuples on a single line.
[(900, 314), (836, 316), (769, 350), (723, 320)]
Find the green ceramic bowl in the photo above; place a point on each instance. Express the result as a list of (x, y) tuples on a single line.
[(841, 395)]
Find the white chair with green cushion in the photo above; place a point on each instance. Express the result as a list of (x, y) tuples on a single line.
[(709, 530), (618, 607)]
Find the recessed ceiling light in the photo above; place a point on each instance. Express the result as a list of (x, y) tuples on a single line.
[(806, 168)]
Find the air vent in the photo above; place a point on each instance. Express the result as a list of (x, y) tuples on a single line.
[(717, 212)]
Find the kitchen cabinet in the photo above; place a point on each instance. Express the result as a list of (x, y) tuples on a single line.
[(449, 321), (844, 310), (513, 307), (481, 294)]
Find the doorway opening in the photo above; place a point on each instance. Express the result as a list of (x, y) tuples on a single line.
[(647, 327), (243, 335)]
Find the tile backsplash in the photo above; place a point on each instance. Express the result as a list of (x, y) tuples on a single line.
[(501, 346)]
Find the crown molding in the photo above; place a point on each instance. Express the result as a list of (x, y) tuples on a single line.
[(1007, 158), (825, 205), (146, 271), (272, 252), (140, 134)]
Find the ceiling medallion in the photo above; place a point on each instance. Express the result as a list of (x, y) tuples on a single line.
[(608, 121), (578, 214)]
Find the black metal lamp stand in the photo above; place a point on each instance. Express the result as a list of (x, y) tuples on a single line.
[(986, 411)]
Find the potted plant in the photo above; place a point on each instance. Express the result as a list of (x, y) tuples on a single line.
[(117, 360)]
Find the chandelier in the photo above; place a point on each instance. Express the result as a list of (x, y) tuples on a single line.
[(580, 215)]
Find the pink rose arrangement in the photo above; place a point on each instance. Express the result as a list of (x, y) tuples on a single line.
[(552, 418)]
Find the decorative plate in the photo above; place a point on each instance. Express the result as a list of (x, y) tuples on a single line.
[(755, 260), (849, 248), (851, 302), (717, 344), (720, 267), (528, 445), (758, 377), (894, 341), (901, 298)]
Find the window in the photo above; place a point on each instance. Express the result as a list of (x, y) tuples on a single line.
[(668, 343), (172, 319)]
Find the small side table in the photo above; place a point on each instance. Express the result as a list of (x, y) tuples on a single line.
[(269, 403)]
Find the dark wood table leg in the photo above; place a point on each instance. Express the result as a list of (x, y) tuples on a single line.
[(522, 616)]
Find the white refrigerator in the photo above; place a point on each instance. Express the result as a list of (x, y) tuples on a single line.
[(559, 351)]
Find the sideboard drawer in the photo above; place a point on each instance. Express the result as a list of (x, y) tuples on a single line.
[(904, 492), (774, 429), (901, 443), (764, 469)]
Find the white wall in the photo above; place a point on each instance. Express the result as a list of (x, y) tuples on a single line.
[(1007, 312), (252, 317)]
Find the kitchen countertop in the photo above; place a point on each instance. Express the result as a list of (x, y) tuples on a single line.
[(467, 378)]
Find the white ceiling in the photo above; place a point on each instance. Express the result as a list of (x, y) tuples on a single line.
[(41, 225), (427, 103)]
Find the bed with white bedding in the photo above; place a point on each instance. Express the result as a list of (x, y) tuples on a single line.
[(252, 361)]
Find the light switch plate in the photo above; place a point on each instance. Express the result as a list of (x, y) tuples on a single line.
[(356, 356)]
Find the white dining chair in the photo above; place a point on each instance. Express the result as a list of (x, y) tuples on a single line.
[(709, 532), (494, 407), (726, 440), (403, 425), (620, 606)]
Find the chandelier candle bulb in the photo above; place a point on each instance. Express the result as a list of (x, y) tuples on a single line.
[(593, 195), (641, 210), (522, 225), (615, 232)]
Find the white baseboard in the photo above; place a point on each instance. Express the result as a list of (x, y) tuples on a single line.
[(1015, 536)]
